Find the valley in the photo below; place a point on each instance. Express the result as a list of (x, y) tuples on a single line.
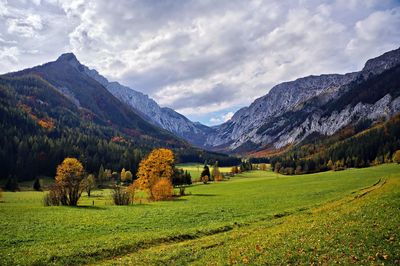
[(199, 132), (278, 219)]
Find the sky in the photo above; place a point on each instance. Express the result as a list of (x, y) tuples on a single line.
[(205, 58)]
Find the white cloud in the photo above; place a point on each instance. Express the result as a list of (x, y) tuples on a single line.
[(221, 119), (201, 57), (227, 116), (380, 26), (25, 26)]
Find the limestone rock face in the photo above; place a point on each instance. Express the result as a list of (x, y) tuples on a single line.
[(291, 111)]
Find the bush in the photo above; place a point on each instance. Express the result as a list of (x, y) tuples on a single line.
[(121, 196), (204, 179), (163, 189), (219, 177), (396, 157), (53, 197), (36, 185)]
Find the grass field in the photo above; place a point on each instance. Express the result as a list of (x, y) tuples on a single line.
[(195, 169), (258, 217)]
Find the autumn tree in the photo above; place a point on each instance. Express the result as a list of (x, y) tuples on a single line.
[(163, 189), (263, 166), (216, 174), (128, 176), (157, 167), (396, 157), (69, 180), (330, 165), (123, 172), (234, 170), (90, 184)]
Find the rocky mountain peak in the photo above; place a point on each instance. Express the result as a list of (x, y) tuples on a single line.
[(381, 63), (293, 110), (69, 58)]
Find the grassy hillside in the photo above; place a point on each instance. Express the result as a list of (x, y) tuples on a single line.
[(327, 217)]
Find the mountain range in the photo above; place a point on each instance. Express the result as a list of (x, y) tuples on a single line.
[(323, 104), (59, 110), (287, 115)]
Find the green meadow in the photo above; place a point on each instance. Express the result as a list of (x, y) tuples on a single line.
[(195, 169), (257, 217)]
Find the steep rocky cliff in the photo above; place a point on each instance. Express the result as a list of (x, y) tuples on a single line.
[(291, 111)]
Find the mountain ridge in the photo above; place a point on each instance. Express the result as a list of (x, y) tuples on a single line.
[(290, 111), (164, 117)]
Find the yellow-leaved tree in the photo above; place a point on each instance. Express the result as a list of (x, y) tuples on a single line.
[(396, 157), (123, 172), (69, 180), (157, 167)]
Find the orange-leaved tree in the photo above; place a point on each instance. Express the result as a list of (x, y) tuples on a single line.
[(163, 189), (157, 167)]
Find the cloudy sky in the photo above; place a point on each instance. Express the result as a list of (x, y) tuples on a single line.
[(204, 58)]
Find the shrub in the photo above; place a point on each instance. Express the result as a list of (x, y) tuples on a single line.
[(121, 196), (219, 177), (204, 179), (163, 189), (36, 185), (53, 197), (396, 157)]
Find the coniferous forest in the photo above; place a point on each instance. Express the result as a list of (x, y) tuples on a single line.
[(40, 127)]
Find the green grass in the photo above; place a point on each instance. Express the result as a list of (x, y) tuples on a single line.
[(257, 217), (195, 169)]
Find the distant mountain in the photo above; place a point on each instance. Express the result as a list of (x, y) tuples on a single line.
[(324, 104), (166, 118)]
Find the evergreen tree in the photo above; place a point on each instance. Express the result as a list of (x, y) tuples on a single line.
[(36, 185), (205, 172)]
